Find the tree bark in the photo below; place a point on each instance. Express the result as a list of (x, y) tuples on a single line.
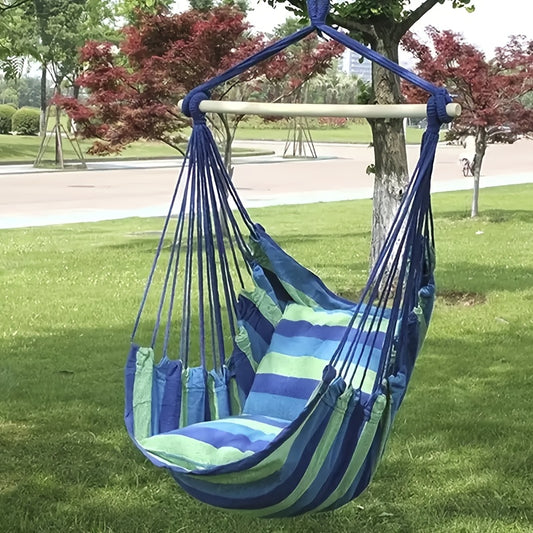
[(58, 135), (44, 103), (481, 148), (390, 155)]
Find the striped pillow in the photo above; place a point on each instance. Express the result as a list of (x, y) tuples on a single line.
[(303, 343)]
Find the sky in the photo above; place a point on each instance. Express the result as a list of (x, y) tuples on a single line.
[(488, 27)]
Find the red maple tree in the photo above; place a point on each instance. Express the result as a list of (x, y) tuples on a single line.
[(133, 89), (489, 91)]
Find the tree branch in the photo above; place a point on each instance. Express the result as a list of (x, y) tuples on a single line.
[(365, 30), (415, 16)]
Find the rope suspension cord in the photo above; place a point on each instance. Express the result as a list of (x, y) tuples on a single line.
[(318, 10), (389, 269), (304, 405)]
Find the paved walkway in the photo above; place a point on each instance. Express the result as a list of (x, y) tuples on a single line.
[(119, 189)]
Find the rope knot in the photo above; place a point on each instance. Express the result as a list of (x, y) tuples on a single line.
[(191, 105), (318, 11), (436, 109)]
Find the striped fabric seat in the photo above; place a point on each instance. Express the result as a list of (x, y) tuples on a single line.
[(303, 343), (216, 443)]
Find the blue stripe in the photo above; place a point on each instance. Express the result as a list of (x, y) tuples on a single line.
[(231, 426), (196, 395), (336, 463), (364, 475), (301, 346), (219, 438), (262, 282), (270, 420), (240, 368), (274, 404), (129, 379), (276, 487), (258, 344), (171, 401), (301, 328), (289, 386), (249, 313), (290, 271)]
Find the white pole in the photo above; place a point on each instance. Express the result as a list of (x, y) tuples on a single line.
[(321, 110)]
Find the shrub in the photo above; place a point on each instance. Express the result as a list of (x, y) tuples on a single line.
[(6, 113), (25, 121), (333, 122)]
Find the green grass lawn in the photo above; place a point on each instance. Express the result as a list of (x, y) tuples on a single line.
[(352, 133), (25, 148), (22, 148), (460, 458)]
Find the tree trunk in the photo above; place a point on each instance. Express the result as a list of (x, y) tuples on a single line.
[(44, 103), (481, 148), (58, 135), (71, 126), (391, 170)]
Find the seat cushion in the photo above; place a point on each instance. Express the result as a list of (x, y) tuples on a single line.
[(303, 343), (215, 443)]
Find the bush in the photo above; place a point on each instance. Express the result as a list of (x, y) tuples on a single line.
[(25, 121), (6, 113), (333, 123)]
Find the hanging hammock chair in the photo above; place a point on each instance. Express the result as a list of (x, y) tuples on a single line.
[(257, 387)]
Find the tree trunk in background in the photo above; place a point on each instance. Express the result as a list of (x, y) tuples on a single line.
[(44, 103), (58, 134), (481, 148), (391, 170)]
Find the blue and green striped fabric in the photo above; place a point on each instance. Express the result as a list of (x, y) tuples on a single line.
[(306, 444), (303, 443), (302, 345)]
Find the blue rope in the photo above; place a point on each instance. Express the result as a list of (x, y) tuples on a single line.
[(318, 10), (207, 210)]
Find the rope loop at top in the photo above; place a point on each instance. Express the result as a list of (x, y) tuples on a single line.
[(317, 11), (436, 109), (191, 105)]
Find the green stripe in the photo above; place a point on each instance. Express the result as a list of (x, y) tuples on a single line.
[(235, 400), (387, 424), (142, 393), (319, 317), (212, 397), (251, 423), (367, 385), (184, 398), (301, 366), (191, 453), (266, 305), (268, 466), (360, 454), (316, 316), (242, 340), (309, 367), (319, 457), (299, 296), (270, 311), (422, 325)]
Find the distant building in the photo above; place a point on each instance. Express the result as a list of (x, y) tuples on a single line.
[(351, 64)]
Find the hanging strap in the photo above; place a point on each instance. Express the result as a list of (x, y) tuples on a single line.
[(318, 11)]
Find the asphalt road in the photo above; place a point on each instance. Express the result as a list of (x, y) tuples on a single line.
[(122, 189)]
